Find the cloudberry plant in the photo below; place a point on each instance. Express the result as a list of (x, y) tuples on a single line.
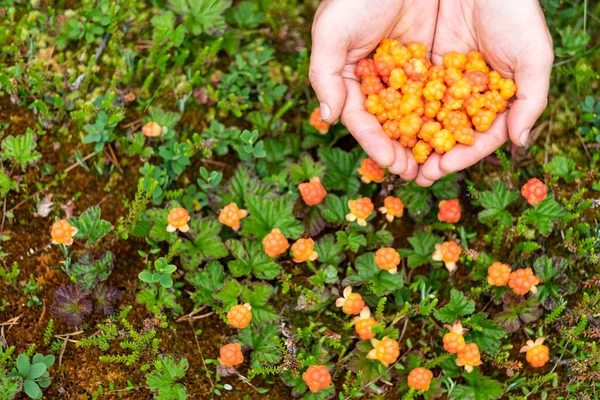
[(152, 129), (317, 377), (360, 209), (275, 243), (454, 340), (370, 171), (392, 208), (449, 253), (537, 354), (498, 274), (317, 122), (420, 378), (523, 281), (178, 219), (351, 303), (231, 215), (534, 191), (421, 151), (469, 357), (239, 316), (231, 355), (62, 232), (304, 250), (449, 211), (385, 350), (363, 324), (365, 68), (312, 192), (387, 259)]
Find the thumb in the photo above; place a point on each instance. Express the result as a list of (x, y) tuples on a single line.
[(533, 80), (328, 57)]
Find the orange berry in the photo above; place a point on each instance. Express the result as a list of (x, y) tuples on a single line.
[(390, 98), (231, 355), (373, 104), (400, 55), (392, 208), (275, 243), (416, 69), (152, 129), (452, 75), (317, 377), (474, 55), (464, 135), (231, 215), (474, 103), (494, 101), (410, 103), (434, 90), (371, 85), (428, 129), (239, 316), (387, 259), (534, 191), (507, 87), (365, 68), (392, 128), (410, 124), (431, 108), (523, 281), (460, 89), (414, 88), (408, 141), (482, 120), (385, 350), (304, 250), (442, 141), (456, 119), (317, 122), (449, 253), (386, 45), (421, 151), (451, 103), (454, 59), (477, 65), (494, 80), (360, 209), (351, 303), (469, 357), (384, 63), (498, 274), (537, 354), (363, 324), (478, 80), (437, 72), (178, 219), (420, 378), (370, 171), (442, 113), (454, 340), (397, 78), (312, 192), (62, 232), (449, 211), (417, 50)]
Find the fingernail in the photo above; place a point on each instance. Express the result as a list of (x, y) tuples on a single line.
[(325, 111), (523, 138)]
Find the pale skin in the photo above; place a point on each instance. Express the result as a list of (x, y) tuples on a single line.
[(511, 34)]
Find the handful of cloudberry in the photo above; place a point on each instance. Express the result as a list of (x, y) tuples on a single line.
[(420, 378), (231, 355), (240, 316), (317, 377), (385, 350), (537, 354), (429, 107)]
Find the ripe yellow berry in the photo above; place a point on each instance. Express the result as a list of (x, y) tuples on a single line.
[(523, 281), (370, 171), (421, 151), (351, 303), (420, 378), (449, 253), (360, 209), (152, 129), (304, 250), (317, 377), (387, 259), (178, 219), (498, 274), (231, 355), (62, 232), (275, 243), (392, 208), (312, 192), (469, 357), (385, 350), (537, 354), (231, 215), (239, 316), (363, 324)]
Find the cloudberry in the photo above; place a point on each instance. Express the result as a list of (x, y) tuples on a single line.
[(384, 64), (452, 75), (523, 281), (390, 98), (460, 89), (494, 101), (373, 104), (482, 120), (275, 243), (421, 151), (416, 69), (534, 191), (317, 377), (410, 103), (417, 49), (178, 219), (152, 129), (410, 124), (387, 259), (449, 211), (454, 60), (370, 171), (477, 65), (449, 253), (313, 191), (464, 135), (469, 357), (451, 103), (494, 80), (507, 87), (414, 88), (365, 68), (360, 209), (231, 215), (428, 129), (474, 55), (437, 72), (392, 208), (392, 128), (442, 113), (474, 103), (385, 350), (456, 119), (400, 55), (304, 250), (371, 85), (363, 324), (62, 232), (434, 90), (408, 141), (386, 45), (442, 141), (397, 78), (239, 316), (432, 108), (351, 303), (498, 274), (420, 378), (231, 355), (454, 340), (537, 354), (317, 122), (478, 80)]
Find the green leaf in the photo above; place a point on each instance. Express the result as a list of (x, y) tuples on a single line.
[(378, 239), (88, 271), (36, 370), (6, 184), (202, 16), (243, 184), (90, 225), (265, 215), (335, 208), (341, 169), (485, 333), (563, 167), (418, 200), (478, 387), (459, 306), (423, 244), (162, 380), (305, 170), (207, 244), (495, 203), (330, 253), (206, 282), (20, 149), (250, 258), (32, 389), (544, 214), (518, 311), (262, 342), (23, 365), (229, 294), (351, 241), (381, 282), (257, 297)]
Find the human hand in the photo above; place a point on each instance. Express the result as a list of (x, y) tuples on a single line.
[(346, 31), (513, 37)]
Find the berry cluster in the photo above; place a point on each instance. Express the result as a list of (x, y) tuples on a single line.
[(351, 303), (312, 192), (449, 211), (275, 243), (392, 208), (370, 171), (304, 250), (62, 232), (431, 107), (523, 281), (360, 209), (152, 129), (387, 259), (534, 191), (449, 253), (231, 215), (231, 355), (420, 378), (537, 354), (317, 377), (467, 355), (385, 350), (363, 324), (178, 219), (239, 316)]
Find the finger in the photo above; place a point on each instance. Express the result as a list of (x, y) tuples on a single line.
[(366, 128), (431, 169), (461, 156), (412, 169), (401, 164), (422, 181), (328, 57)]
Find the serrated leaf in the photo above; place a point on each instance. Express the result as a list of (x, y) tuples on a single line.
[(207, 244), (485, 333), (258, 298), (89, 271), (90, 225), (335, 208), (517, 311), (341, 169), (478, 387), (563, 167), (495, 203), (262, 342), (265, 215), (330, 253), (458, 306), (244, 183), (250, 258), (544, 214), (423, 245), (305, 170), (367, 272), (351, 241), (206, 282), (229, 293), (20, 149), (162, 380)]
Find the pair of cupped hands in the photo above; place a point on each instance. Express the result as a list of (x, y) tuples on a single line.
[(511, 34)]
